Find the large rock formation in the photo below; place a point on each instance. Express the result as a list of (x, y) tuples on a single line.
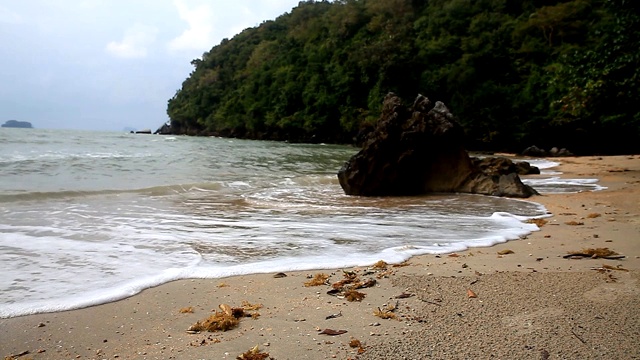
[(419, 150), (17, 124)]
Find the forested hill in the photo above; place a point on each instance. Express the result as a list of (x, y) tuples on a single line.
[(515, 73)]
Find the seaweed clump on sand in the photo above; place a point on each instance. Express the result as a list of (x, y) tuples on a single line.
[(594, 253), (317, 280), (226, 319), (254, 354)]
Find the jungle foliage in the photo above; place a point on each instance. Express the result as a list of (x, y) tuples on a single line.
[(515, 72)]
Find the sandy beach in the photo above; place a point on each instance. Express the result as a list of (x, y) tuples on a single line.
[(523, 299)]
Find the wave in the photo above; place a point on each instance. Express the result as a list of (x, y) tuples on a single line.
[(150, 191)]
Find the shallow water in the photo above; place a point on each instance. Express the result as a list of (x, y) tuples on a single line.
[(88, 218)]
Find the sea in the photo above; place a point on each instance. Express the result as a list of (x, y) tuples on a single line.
[(93, 217)]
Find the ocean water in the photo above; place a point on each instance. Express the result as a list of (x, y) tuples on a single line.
[(93, 217)]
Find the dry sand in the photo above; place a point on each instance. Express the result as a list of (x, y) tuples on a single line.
[(530, 304)]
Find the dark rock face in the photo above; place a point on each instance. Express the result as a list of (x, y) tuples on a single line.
[(165, 129), (504, 166), (419, 150), (535, 151)]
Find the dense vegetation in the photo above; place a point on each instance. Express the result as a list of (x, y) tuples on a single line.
[(515, 72)]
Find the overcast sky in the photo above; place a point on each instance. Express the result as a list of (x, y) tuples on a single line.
[(109, 64)]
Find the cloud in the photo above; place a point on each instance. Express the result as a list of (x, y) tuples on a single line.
[(134, 43), (9, 17), (199, 35)]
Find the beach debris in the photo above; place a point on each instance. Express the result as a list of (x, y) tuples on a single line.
[(222, 285), (471, 294), (226, 319), (453, 255), (404, 295), (280, 275), (387, 312), (505, 252), (247, 306), (544, 354), (380, 265), (355, 343), (537, 222), (605, 268), (254, 354), (317, 280), (402, 264), (12, 357), (353, 295), (594, 215), (333, 316), (186, 310), (574, 223), (219, 321), (332, 332), (594, 253)]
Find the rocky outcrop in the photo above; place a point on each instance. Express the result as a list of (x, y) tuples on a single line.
[(165, 129), (17, 124), (419, 150), (535, 151), (504, 166)]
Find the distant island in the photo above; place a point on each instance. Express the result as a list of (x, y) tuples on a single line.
[(17, 124)]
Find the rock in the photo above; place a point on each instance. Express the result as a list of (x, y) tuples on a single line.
[(17, 124), (419, 150), (165, 129), (504, 166), (534, 151)]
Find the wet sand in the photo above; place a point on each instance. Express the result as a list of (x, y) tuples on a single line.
[(530, 303)]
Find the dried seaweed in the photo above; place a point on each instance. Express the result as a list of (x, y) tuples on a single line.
[(254, 354), (249, 306), (317, 280), (219, 321), (380, 265), (187, 310), (505, 252), (593, 215), (574, 223), (354, 343), (604, 253), (352, 295), (226, 319), (538, 222), (386, 313)]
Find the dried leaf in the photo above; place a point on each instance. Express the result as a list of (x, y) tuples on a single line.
[(471, 294), (332, 332)]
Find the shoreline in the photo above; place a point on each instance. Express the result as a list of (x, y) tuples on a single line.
[(578, 313)]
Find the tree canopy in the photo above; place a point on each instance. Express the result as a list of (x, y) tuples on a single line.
[(514, 72)]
